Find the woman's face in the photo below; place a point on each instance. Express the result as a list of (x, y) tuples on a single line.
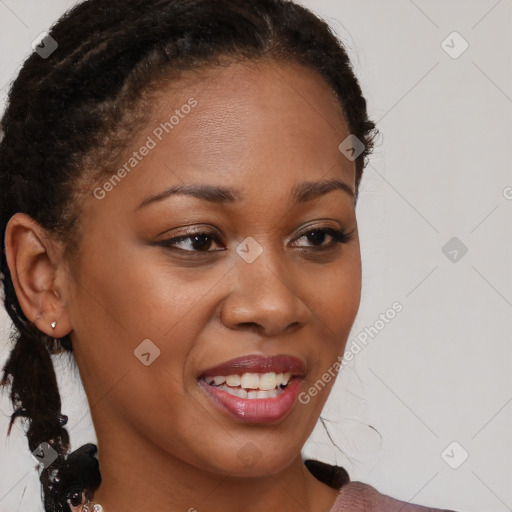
[(151, 314)]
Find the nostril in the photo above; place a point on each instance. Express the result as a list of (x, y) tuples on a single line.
[(251, 326)]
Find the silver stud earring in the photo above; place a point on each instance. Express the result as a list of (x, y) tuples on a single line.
[(53, 324)]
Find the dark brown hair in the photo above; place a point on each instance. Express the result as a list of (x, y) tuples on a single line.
[(76, 110)]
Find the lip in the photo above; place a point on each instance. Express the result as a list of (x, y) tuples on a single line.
[(258, 364), (255, 410)]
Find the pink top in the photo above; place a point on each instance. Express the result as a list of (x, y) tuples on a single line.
[(360, 497)]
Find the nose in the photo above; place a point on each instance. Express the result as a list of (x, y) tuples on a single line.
[(264, 298)]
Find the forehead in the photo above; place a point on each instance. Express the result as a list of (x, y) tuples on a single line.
[(247, 96), (265, 115)]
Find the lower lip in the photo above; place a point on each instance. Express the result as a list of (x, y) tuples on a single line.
[(256, 410)]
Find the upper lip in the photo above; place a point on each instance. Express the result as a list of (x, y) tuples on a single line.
[(258, 364)]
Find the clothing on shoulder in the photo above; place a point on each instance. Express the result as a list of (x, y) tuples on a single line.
[(358, 496)]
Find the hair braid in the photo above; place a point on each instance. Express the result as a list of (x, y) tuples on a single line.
[(38, 400)]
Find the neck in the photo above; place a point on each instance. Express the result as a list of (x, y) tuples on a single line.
[(144, 478)]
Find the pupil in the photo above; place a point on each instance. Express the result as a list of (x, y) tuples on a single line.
[(317, 236), (202, 241)]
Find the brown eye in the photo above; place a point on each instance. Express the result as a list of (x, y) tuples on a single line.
[(317, 237), (198, 242)]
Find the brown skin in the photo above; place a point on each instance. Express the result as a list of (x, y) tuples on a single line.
[(163, 445)]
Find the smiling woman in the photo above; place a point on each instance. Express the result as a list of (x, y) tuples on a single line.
[(207, 286)]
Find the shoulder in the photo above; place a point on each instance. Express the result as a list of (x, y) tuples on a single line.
[(361, 497)]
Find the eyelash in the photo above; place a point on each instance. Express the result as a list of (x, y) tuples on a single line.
[(339, 237)]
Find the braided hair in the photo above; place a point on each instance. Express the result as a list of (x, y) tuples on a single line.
[(70, 115)]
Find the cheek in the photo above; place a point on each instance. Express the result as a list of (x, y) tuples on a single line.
[(130, 295), (119, 302), (336, 293)]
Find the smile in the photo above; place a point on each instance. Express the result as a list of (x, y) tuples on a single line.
[(251, 385)]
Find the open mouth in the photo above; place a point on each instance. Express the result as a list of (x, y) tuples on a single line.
[(251, 385)]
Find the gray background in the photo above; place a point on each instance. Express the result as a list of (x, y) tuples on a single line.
[(439, 372)]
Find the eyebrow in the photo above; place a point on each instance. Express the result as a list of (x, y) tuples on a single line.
[(304, 192)]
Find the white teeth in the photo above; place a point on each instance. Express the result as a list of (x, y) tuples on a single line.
[(241, 393), (251, 381), (268, 381), (233, 380), (286, 377)]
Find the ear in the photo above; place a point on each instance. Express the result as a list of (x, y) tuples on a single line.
[(37, 268)]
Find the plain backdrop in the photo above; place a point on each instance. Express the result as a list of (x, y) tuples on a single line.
[(424, 411)]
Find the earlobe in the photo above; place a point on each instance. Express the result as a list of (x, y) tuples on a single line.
[(33, 260)]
